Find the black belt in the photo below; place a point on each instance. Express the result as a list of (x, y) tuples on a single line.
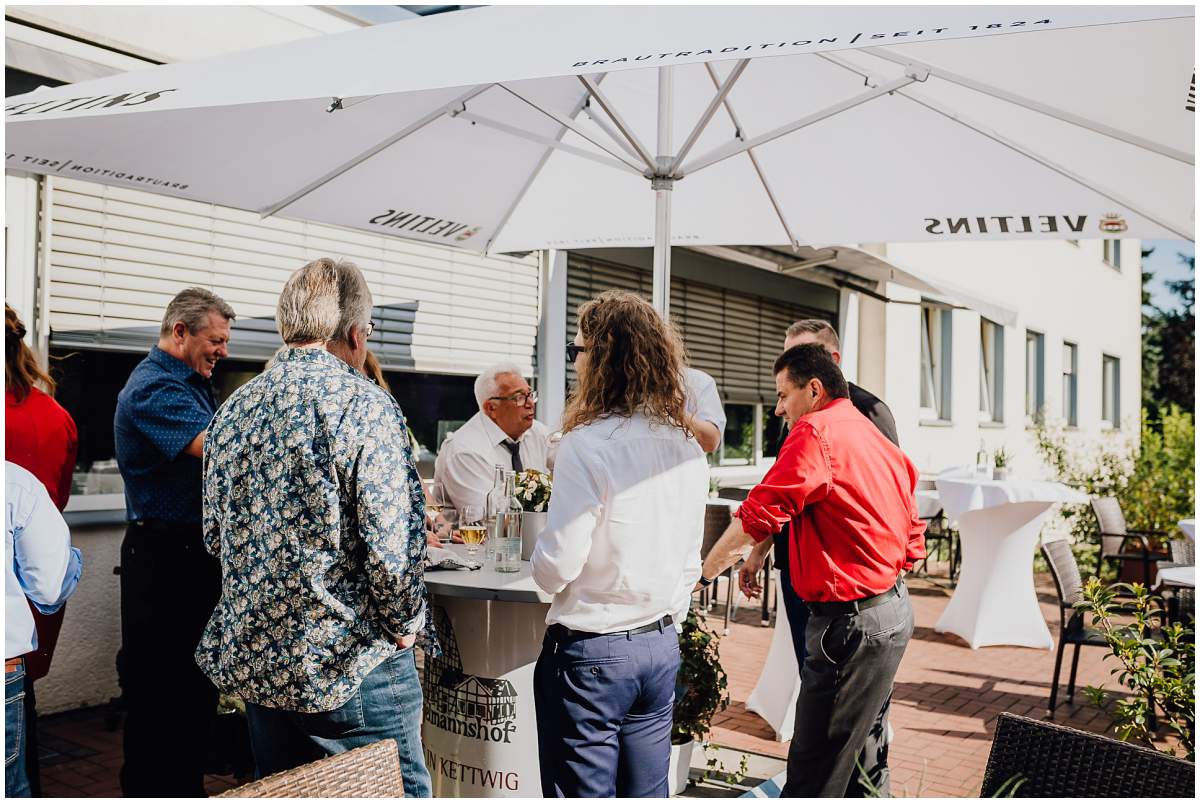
[(855, 605), (562, 632)]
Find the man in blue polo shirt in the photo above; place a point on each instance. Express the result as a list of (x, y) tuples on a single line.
[(169, 582)]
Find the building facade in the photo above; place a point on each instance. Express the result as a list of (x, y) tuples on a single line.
[(1046, 329)]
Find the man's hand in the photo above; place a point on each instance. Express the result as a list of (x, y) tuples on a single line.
[(404, 642), (748, 577)]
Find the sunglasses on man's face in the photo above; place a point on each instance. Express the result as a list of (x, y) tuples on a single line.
[(574, 351)]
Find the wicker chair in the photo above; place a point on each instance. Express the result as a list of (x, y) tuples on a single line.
[(1115, 535), (370, 771), (1181, 602), (716, 519), (939, 532), (1071, 629), (1057, 761)]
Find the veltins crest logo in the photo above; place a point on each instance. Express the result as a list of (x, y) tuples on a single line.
[(1112, 223), (476, 707), (425, 224)]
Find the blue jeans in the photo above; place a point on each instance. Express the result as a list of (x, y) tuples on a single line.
[(386, 706), (16, 782), (604, 711)]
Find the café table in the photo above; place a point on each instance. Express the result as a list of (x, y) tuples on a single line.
[(999, 522), (480, 728), (1173, 579)]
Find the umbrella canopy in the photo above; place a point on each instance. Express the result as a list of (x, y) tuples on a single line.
[(514, 128)]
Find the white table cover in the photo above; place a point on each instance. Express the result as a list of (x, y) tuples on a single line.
[(999, 522), (928, 503), (1188, 526), (774, 695), (1177, 576)]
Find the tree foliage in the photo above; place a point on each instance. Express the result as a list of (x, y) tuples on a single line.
[(1169, 345)]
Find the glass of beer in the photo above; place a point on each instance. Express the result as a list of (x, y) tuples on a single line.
[(471, 527)]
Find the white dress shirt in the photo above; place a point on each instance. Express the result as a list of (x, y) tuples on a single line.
[(622, 545), (703, 401), (40, 563), (466, 463)]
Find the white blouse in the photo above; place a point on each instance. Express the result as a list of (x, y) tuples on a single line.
[(622, 546)]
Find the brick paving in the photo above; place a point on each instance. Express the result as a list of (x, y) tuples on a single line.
[(944, 710)]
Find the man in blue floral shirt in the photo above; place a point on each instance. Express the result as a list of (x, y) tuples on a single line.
[(314, 508)]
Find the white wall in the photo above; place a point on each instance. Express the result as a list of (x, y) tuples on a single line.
[(1060, 290)]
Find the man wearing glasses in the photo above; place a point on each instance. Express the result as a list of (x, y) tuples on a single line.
[(503, 433)]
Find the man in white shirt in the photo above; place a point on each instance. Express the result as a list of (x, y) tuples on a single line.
[(705, 408), (43, 567), (503, 433)]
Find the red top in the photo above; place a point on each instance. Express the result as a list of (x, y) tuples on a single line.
[(40, 437), (849, 494)]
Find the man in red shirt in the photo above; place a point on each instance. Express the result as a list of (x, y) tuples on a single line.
[(848, 493)]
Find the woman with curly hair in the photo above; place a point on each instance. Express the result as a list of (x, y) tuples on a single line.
[(620, 553)]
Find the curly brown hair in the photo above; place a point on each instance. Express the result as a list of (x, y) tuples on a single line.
[(21, 369), (635, 363)]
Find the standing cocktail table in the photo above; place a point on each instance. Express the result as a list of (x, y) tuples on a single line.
[(998, 524)]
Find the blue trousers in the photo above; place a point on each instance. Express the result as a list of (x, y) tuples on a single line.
[(16, 782), (604, 711), (386, 706)]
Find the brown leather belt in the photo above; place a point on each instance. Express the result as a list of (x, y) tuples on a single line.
[(13, 664)]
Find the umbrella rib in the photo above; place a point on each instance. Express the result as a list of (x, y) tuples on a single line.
[(627, 132), (571, 124), (535, 173), (1041, 108), (367, 154), (734, 148), (1044, 162), (604, 126), (762, 176), (722, 92), (548, 141)]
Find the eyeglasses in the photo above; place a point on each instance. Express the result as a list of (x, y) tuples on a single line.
[(574, 351), (370, 327), (519, 398)]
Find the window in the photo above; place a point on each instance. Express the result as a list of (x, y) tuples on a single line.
[(738, 447), (1035, 375), (1070, 384), (1112, 253), (991, 371), (935, 361), (1111, 404)]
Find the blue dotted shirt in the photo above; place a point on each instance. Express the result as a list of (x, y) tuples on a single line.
[(162, 408)]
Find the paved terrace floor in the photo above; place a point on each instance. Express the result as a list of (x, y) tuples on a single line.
[(944, 711)]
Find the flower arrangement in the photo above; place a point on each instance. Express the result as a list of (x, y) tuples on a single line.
[(533, 490), (1001, 458)]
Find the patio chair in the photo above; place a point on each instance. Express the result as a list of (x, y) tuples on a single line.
[(370, 771), (716, 519), (1057, 761), (1115, 536), (1181, 602), (1071, 629), (941, 534)]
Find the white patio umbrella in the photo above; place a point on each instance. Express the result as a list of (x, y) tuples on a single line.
[(516, 128)]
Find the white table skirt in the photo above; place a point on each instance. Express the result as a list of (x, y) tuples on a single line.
[(998, 523), (1178, 576), (774, 695), (1188, 526)]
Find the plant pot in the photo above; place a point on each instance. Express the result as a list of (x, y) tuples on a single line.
[(681, 764), (1000, 473), (532, 525)]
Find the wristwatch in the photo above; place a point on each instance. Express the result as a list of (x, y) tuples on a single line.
[(704, 582)]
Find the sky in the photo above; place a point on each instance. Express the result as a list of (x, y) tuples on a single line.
[(1165, 266)]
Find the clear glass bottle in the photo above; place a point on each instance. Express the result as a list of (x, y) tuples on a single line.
[(982, 469), (495, 502), (506, 543)]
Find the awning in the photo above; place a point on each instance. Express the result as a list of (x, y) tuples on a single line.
[(856, 269)]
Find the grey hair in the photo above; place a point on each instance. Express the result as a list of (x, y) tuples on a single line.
[(191, 308), (823, 330), (323, 301), (486, 384)]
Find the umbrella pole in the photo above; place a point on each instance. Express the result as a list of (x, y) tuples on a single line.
[(662, 186)]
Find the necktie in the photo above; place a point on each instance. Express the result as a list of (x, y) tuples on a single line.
[(515, 449)]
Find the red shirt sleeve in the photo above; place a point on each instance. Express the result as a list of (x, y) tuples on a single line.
[(68, 466), (915, 549), (801, 474)]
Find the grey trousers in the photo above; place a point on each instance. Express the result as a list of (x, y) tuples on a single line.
[(845, 692)]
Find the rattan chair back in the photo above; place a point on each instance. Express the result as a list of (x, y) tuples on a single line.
[(1065, 570), (1112, 524), (1183, 552), (716, 519), (370, 771), (1057, 761)]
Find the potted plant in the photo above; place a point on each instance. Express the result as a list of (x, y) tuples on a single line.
[(533, 493), (1000, 463), (700, 692)]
